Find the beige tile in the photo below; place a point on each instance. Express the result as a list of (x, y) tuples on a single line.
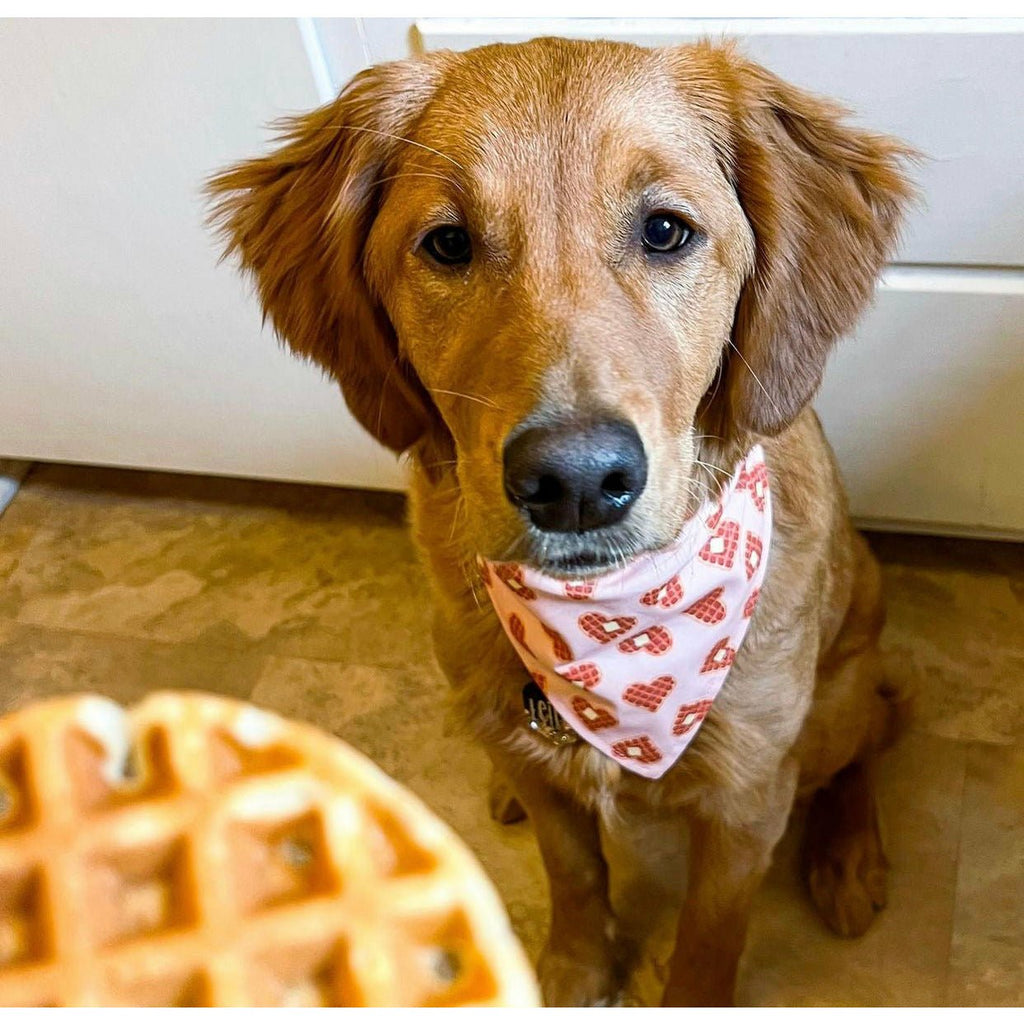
[(793, 960), (318, 576), (311, 601), (987, 962), (331, 695), (955, 634), (37, 662), (14, 538)]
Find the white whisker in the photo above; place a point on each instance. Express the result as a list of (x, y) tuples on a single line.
[(383, 392), (461, 394), (397, 138), (719, 375), (757, 379), (457, 514), (712, 469)]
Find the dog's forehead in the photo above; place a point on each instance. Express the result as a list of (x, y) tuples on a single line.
[(562, 107)]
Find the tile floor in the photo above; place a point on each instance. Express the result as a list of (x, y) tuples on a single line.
[(123, 582)]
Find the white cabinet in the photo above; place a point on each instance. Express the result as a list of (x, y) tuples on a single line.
[(122, 342)]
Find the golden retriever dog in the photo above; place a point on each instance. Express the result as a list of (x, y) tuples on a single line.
[(638, 260)]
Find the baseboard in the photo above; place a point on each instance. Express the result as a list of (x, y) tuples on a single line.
[(937, 529)]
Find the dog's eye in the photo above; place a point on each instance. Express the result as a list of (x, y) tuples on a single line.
[(664, 232), (448, 245)]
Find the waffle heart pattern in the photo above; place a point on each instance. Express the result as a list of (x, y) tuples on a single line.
[(669, 594), (709, 609), (634, 659), (197, 851), (586, 673), (649, 695), (756, 481)]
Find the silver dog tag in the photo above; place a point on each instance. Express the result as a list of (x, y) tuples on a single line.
[(543, 718)]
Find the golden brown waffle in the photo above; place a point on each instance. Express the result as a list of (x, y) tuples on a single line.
[(198, 851)]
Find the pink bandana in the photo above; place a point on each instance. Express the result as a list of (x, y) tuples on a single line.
[(633, 660)]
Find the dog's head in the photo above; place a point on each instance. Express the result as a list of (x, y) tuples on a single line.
[(561, 271)]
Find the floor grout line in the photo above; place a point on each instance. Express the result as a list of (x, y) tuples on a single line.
[(954, 895)]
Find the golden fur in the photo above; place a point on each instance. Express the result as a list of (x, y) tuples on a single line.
[(545, 152)]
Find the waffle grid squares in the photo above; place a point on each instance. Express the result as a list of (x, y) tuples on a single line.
[(16, 806), (24, 938), (194, 867), (281, 861)]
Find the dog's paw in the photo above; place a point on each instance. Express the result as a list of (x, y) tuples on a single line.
[(844, 864), (579, 979), (502, 803), (846, 877)]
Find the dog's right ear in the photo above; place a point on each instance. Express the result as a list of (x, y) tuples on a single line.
[(298, 219), (824, 200)]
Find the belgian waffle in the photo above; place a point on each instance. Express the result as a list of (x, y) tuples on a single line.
[(198, 851)]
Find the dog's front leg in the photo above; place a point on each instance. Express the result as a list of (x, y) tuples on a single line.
[(728, 861), (577, 966), (646, 851)]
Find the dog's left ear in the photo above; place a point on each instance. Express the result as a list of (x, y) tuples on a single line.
[(825, 201), (298, 219)]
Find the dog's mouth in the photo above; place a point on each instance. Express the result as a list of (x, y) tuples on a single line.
[(581, 555), (586, 563)]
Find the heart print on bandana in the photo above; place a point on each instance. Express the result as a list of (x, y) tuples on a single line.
[(562, 651), (668, 595), (752, 557), (721, 546), (593, 717), (720, 656), (512, 577), (653, 640), (605, 629), (689, 716), (638, 748), (709, 608), (756, 481), (579, 590), (649, 695), (586, 673)]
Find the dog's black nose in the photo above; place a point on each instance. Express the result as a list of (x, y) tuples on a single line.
[(571, 477)]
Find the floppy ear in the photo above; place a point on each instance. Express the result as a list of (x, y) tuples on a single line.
[(298, 220), (825, 201)]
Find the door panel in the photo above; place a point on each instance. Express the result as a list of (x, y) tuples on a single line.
[(923, 405)]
